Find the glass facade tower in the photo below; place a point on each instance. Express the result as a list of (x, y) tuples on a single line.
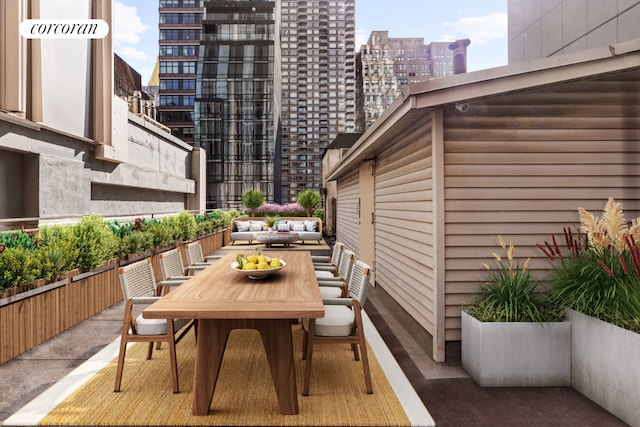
[(262, 86), (235, 120)]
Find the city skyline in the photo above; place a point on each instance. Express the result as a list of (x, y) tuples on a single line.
[(484, 23)]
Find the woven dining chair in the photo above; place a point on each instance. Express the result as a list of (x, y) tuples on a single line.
[(174, 273), (139, 287), (341, 324), (195, 256), (327, 261), (336, 286)]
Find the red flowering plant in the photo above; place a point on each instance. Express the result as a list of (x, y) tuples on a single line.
[(598, 273)]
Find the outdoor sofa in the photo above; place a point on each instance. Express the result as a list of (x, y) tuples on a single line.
[(245, 228)]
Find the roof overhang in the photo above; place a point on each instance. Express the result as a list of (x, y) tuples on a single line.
[(418, 100)]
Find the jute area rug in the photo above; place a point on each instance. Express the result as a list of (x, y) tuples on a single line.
[(244, 394)]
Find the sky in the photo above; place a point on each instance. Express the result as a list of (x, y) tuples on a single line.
[(484, 22)]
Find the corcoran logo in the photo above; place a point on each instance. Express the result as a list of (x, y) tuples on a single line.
[(64, 28)]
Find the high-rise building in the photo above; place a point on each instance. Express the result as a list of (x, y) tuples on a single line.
[(180, 24), (235, 112), (389, 64), (308, 99), (318, 86)]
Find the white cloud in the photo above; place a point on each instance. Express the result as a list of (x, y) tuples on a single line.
[(479, 29), (132, 53), (127, 25), (361, 38)]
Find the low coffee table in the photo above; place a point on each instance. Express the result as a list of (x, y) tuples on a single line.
[(270, 238)]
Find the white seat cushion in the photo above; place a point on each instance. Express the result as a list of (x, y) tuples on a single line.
[(324, 275), (330, 292), (337, 321), (157, 326)]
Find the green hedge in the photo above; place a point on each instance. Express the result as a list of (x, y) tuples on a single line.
[(26, 256)]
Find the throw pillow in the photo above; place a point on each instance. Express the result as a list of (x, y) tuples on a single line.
[(243, 225), (255, 226), (311, 225), (283, 226), (298, 226)]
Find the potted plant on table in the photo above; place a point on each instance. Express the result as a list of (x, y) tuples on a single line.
[(597, 277), (512, 336), (271, 222)]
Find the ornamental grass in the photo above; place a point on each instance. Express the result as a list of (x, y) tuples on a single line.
[(510, 293), (598, 273)]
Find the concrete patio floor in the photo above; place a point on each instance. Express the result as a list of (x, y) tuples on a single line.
[(452, 398)]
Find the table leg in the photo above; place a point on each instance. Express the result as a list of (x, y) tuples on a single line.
[(278, 344), (212, 340)]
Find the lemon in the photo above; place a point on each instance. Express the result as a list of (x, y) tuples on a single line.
[(262, 258), (263, 266), (275, 263), (253, 258), (249, 266)]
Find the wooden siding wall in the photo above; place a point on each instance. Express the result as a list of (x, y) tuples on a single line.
[(404, 224), (520, 165), (347, 212)]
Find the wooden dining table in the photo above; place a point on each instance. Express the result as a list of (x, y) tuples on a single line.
[(222, 299)]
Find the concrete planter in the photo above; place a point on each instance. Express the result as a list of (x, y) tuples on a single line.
[(605, 365), (516, 354)]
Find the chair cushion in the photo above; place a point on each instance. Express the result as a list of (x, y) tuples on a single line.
[(337, 321), (245, 235), (324, 275), (157, 326), (308, 235), (330, 291)]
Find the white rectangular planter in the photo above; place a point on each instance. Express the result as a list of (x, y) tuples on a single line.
[(516, 354), (605, 365)]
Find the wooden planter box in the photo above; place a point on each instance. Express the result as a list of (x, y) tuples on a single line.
[(605, 365), (516, 354), (29, 318), (32, 314)]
